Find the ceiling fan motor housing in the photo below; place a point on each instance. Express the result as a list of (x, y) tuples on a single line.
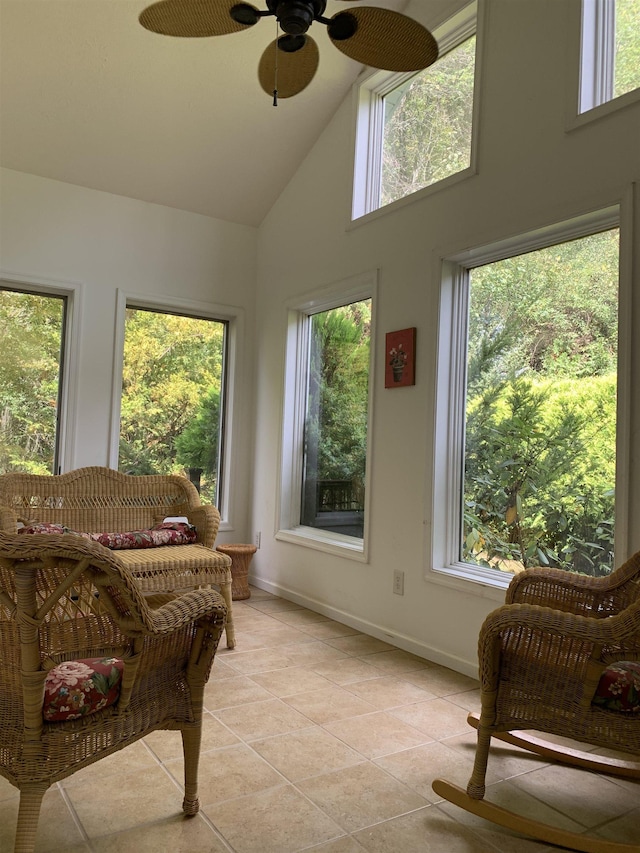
[(296, 16)]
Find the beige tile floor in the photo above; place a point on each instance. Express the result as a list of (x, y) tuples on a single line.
[(319, 738)]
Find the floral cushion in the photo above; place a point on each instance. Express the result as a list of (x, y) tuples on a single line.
[(619, 688), (165, 533), (77, 688), (43, 527)]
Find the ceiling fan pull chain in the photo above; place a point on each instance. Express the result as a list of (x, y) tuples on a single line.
[(275, 70)]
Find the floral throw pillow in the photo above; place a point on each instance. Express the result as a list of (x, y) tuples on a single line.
[(44, 527), (77, 688), (165, 533), (619, 688)]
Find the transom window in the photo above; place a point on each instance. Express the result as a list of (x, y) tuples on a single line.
[(415, 130), (610, 63)]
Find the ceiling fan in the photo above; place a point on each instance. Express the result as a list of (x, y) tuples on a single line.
[(373, 36)]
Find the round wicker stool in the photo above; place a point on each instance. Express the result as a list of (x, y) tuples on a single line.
[(240, 558)]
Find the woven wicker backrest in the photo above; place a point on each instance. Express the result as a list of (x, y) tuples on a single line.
[(96, 499), (57, 603), (576, 593)]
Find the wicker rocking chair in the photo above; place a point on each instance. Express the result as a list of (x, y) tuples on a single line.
[(88, 665), (561, 657)]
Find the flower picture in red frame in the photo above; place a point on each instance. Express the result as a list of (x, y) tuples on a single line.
[(400, 358)]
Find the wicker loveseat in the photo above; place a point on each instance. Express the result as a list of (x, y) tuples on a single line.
[(100, 500)]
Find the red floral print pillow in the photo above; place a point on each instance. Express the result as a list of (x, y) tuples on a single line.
[(166, 533), (44, 527), (77, 688), (619, 688)]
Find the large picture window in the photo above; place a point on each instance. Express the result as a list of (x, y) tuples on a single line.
[(326, 426), (530, 370), (173, 397), (335, 431), (33, 332)]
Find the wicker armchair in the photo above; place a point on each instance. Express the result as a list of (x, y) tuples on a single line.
[(66, 603), (547, 658)]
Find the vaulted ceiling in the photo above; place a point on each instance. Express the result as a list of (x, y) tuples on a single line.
[(89, 97)]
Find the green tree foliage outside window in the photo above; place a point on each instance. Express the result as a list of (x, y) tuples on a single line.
[(337, 418), (627, 60), (172, 382), (31, 327), (541, 409), (427, 128)]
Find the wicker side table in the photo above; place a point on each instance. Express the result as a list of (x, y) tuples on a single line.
[(240, 559)]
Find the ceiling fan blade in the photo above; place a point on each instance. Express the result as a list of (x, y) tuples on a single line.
[(288, 65), (383, 39), (196, 18)]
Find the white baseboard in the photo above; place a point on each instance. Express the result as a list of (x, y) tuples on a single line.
[(401, 641)]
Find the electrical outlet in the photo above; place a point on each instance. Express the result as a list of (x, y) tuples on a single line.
[(257, 539), (398, 582)]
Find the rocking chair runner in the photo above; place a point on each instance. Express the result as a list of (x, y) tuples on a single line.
[(542, 657), (89, 665)]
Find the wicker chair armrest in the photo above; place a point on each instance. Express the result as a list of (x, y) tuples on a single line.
[(182, 610), (206, 520), (41, 546)]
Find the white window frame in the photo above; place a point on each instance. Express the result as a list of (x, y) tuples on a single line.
[(227, 499), (370, 109), (442, 541), (597, 62), (298, 319), (67, 414)]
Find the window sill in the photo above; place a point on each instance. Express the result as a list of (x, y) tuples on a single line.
[(418, 195), (329, 543), (474, 581), (608, 108)]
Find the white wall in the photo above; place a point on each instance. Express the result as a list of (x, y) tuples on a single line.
[(532, 171), (59, 234)]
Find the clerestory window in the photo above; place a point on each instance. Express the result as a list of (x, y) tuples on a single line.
[(610, 51), (416, 130)]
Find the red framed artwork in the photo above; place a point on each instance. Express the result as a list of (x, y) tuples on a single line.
[(400, 365)]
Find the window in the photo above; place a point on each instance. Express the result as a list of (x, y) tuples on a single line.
[(415, 130), (173, 397), (610, 51), (33, 334), (326, 435), (527, 400)]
